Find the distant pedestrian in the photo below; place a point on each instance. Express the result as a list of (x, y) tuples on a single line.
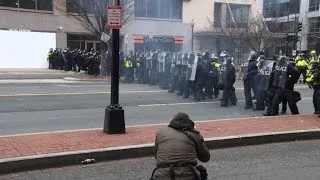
[(177, 149)]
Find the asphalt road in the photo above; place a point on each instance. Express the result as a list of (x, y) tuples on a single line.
[(283, 161), (30, 108)]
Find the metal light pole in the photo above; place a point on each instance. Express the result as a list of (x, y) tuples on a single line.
[(192, 30), (114, 114)]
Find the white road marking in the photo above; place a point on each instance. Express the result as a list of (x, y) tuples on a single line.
[(81, 93), (194, 103), (85, 85), (104, 92)]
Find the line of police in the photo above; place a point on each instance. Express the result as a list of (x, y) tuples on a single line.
[(187, 73), (75, 60), (272, 82)]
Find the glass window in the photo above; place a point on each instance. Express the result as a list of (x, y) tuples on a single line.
[(72, 5), (280, 8), (140, 8), (152, 8), (164, 9), (44, 5), (8, 3), (27, 4), (176, 9), (314, 5), (239, 16)]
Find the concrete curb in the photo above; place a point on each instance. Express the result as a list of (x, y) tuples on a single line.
[(19, 164), (85, 80)]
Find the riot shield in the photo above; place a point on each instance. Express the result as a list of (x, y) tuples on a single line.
[(192, 67), (154, 61), (223, 74), (280, 75), (161, 62), (185, 59), (148, 60), (264, 73), (244, 69), (178, 65), (173, 62)]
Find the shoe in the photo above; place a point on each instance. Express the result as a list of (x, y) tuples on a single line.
[(170, 91), (224, 105), (267, 114), (185, 97), (283, 112), (258, 109), (248, 106), (179, 94)]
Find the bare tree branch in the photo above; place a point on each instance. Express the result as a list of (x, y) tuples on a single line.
[(92, 16)]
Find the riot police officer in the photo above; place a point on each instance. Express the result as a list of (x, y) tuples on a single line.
[(200, 79), (228, 78), (313, 80), (250, 71), (208, 74), (183, 74), (191, 73), (216, 71), (175, 71), (285, 76)]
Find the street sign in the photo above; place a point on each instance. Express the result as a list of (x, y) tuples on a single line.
[(105, 37), (114, 17)]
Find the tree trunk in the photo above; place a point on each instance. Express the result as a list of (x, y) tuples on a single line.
[(103, 59)]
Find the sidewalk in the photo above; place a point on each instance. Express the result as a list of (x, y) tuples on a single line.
[(138, 141)]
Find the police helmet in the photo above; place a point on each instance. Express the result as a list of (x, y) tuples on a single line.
[(224, 54), (206, 53)]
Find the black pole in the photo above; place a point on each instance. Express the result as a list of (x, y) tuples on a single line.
[(114, 114), (192, 26)]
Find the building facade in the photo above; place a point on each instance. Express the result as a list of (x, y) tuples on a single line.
[(208, 16), (283, 17), (156, 24)]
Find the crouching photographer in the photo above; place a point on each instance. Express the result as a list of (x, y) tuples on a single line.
[(177, 149)]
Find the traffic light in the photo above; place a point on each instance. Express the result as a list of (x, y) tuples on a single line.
[(289, 38), (294, 38), (299, 28)]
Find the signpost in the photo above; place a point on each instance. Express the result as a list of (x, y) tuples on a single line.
[(114, 114)]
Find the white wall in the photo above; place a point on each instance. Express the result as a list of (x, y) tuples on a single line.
[(25, 49)]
